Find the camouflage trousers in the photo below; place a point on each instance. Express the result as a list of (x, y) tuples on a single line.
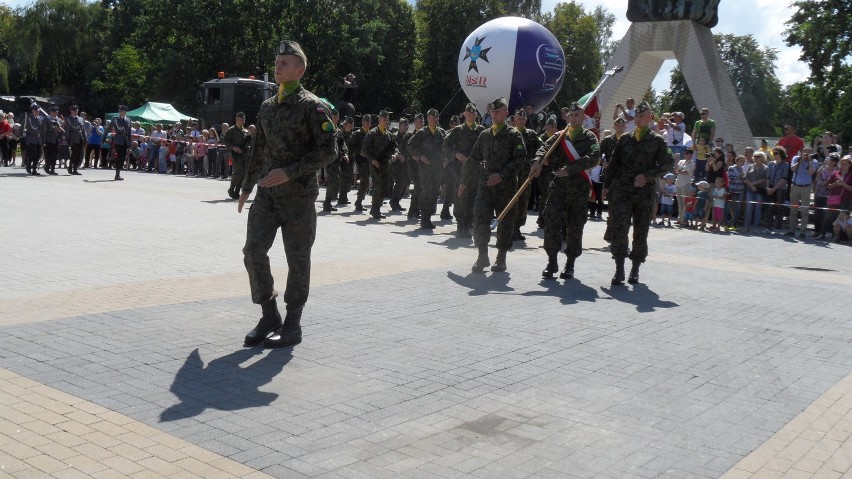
[(363, 178), (625, 205), (490, 202), (296, 217), (332, 181), (430, 182), (239, 174), (399, 181), (346, 176), (524, 200), (414, 177), (380, 184), (450, 182), (565, 207)]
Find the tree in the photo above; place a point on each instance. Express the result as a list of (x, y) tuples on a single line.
[(122, 81), (752, 72)]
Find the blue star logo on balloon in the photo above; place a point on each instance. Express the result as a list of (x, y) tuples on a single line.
[(522, 62)]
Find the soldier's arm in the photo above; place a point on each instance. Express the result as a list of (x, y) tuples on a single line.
[(590, 159), (414, 144), (449, 145), (324, 149), (254, 163), (663, 162), (614, 163), (367, 146), (470, 168), (518, 156)]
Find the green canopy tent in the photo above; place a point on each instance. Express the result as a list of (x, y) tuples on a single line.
[(153, 112)]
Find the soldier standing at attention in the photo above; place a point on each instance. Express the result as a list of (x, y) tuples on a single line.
[(294, 139), (638, 160), (568, 191), (51, 140), (532, 143), (378, 148), (34, 129), (75, 128), (399, 166), (414, 168), (426, 145), (346, 173), (237, 140), (501, 151), (121, 139), (332, 171), (355, 145), (457, 147)]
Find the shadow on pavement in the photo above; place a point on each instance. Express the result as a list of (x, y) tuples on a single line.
[(570, 291), (454, 243), (224, 200), (99, 181), (482, 283), (224, 384), (640, 296)]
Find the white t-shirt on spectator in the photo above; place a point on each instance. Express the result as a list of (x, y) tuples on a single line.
[(674, 135)]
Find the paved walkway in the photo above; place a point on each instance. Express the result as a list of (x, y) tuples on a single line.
[(124, 305)]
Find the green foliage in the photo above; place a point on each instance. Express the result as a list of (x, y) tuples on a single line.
[(123, 79)]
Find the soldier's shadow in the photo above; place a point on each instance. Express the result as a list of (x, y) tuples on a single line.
[(639, 295), (99, 181), (453, 243), (224, 200), (223, 384), (11, 175), (416, 232), (482, 283), (569, 291)]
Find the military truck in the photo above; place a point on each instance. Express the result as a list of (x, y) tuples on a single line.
[(220, 99)]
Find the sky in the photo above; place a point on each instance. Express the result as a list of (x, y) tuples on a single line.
[(764, 19)]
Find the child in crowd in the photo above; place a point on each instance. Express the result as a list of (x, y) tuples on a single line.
[(667, 199), (719, 194), (201, 154), (689, 204), (702, 150), (173, 158), (180, 153), (842, 227), (135, 154), (703, 203), (163, 157)]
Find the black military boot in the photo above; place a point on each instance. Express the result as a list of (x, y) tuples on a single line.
[(426, 223), (377, 214), (551, 268), (358, 206), (269, 322), (445, 213), (568, 272), (519, 236), (500, 262), (634, 272), (463, 230), (290, 333), (618, 279), (326, 206), (343, 200), (482, 260)]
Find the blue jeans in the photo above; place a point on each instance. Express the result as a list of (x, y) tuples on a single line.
[(753, 208)]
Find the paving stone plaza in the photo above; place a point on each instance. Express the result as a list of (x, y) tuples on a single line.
[(124, 306)]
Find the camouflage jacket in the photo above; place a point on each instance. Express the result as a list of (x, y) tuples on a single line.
[(402, 143), (342, 149), (237, 137), (532, 142), (379, 146), (586, 144), (428, 144), (608, 147), (503, 153), (296, 135), (461, 140), (650, 157), (355, 143)]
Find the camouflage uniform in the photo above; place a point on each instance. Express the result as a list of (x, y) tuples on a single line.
[(543, 183), (237, 137), (500, 152), (567, 196), (332, 171), (429, 144), (399, 171), (379, 146), (346, 172), (532, 143), (461, 140), (413, 175), (298, 136), (355, 143), (649, 157), (607, 149)]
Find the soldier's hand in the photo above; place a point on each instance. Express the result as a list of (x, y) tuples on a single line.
[(493, 179), (424, 159), (237, 149), (275, 177), (345, 158), (535, 171), (460, 191), (242, 202), (376, 164), (461, 157), (640, 181), (560, 172)]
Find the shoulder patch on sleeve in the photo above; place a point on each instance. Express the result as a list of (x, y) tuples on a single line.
[(596, 147), (669, 151), (520, 146), (327, 126)]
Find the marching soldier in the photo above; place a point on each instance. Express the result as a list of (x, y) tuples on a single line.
[(542, 183), (51, 140), (568, 191), (378, 148), (332, 171), (500, 149), (532, 142), (426, 145), (346, 172), (414, 169), (237, 140), (75, 128), (639, 159), (34, 128), (607, 149), (399, 166), (121, 139), (355, 145), (294, 139), (458, 146)]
